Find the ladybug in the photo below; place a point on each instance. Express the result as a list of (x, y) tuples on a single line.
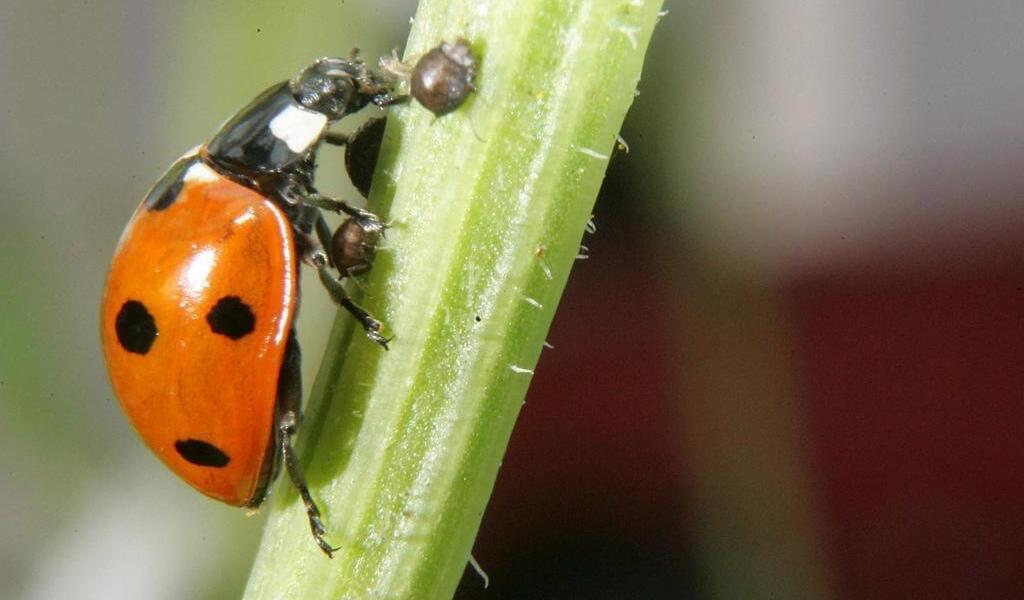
[(197, 319)]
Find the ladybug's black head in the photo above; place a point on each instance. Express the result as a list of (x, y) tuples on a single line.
[(336, 87)]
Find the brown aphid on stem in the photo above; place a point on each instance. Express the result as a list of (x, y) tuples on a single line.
[(443, 77), (352, 247), (361, 150)]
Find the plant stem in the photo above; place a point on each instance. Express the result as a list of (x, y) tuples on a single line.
[(488, 205)]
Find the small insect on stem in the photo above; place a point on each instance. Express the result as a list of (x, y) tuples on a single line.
[(352, 247), (441, 79), (444, 77), (361, 150)]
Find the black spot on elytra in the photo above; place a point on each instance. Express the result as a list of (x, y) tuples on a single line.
[(167, 190), (135, 327), (201, 453), (231, 317)]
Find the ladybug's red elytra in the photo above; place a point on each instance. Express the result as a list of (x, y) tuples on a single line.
[(197, 319)]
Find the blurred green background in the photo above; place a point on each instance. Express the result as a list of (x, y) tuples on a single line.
[(792, 367)]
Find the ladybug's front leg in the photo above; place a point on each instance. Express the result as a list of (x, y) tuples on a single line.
[(289, 401), (336, 138)]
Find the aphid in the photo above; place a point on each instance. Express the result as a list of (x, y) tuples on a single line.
[(361, 149), (443, 77), (352, 247), (197, 319)]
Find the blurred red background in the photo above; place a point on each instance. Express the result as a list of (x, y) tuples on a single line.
[(908, 401)]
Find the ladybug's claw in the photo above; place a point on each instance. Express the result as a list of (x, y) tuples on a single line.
[(370, 222), (371, 325), (317, 526), (377, 337)]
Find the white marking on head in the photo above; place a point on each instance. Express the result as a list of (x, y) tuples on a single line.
[(201, 172), (298, 127)]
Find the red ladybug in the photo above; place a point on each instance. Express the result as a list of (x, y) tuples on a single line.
[(198, 315)]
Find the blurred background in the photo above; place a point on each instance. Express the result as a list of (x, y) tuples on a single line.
[(792, 367)]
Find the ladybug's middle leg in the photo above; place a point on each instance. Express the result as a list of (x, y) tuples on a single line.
[(289, 402), (366, 219), (295, 191), (337, 291), (312, 252), (336, 138)]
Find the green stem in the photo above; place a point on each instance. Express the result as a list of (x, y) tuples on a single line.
[(488, 205)]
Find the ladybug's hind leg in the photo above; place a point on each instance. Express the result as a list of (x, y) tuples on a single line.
[(289, 390), (286, 428)]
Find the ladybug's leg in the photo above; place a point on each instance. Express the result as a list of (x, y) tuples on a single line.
[(303, 219), (336, 138), (337, 291), (323, 234), (287, 427), (289, 401), (366, 219), (313, 254), (295, 189)]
